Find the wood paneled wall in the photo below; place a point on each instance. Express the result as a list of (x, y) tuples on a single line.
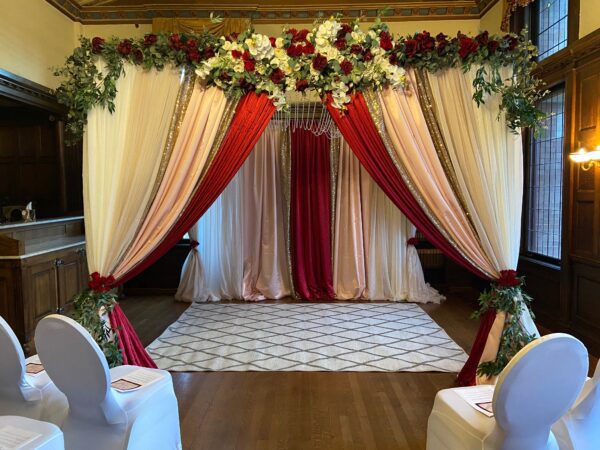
[(567, 297)]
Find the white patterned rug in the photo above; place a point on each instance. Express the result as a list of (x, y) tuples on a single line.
[(361, 337)]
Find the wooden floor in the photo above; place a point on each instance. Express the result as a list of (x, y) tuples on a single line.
[(303, 410)]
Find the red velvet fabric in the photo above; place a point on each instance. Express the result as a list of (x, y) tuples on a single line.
[(468, 374), (361, 133), (310, 212), (134, 353), (252, 116)]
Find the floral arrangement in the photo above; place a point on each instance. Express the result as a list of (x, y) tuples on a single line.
[(89, 308), (333, 57), (506, 295)]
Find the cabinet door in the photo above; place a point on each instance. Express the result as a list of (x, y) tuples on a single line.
[(42, 287), (68, 266)]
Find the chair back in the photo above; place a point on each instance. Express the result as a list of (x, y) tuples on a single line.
[(78, 367), (12, 368), (537, 387)]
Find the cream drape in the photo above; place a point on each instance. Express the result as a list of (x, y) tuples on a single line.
[(349, 271), (134, 136), (202, 120), (414, 148), (371, 259), (487, 159)]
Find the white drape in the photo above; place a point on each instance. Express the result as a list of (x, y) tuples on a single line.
[(192, 284), (242, 235)]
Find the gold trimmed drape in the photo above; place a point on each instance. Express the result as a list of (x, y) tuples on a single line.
[(197, 26)]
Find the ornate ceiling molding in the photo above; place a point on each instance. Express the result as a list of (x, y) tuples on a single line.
[(286, 11)]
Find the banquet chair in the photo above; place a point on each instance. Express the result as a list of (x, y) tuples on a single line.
[(534, 390), (32, 396), (100, 417), (579, 429), (42, 435)]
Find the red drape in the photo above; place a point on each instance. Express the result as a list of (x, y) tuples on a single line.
[(310, 229), (250, 120), (468, 374), (134, 353), (361, 133)]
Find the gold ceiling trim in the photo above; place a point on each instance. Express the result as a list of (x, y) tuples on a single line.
[(123, 11)]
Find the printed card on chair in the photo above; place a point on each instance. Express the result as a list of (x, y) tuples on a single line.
[(34, 366), (135, 380), (479, 397), (12, 438)]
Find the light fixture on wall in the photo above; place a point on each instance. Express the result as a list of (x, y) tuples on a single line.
[(587, 159)]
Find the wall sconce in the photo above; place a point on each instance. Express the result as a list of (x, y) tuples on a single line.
[(587, 159)]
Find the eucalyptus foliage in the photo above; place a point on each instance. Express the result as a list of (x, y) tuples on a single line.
[(88, 307)]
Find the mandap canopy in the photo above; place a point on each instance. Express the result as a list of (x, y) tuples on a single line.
[(168, 120)]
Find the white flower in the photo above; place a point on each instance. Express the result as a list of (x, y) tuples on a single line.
[(358, 36), (259, 46), (279, 43)]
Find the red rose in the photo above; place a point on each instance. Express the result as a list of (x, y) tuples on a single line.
[(294, 51), (249, 66), (319, 62), (97, 44), (193, 55), (425, 41), (385, 41), (277, 76), (508, 278), (483, 38), (246, 56), (493, 46), (441, 37), (367, 55), (346, 29), (512, 41), (224, 76), (394, 59), (466, 46), (301, 85), (292, 32), (231, 37), (98, 283), (208, 52), (138, 55), (340, 44), (124, 47), (236, 54), (300, 35), (272, 41), (308, 49), (410, 48), (175, 41), (346, 66), (191, 44), (356, 49), (150, 39)]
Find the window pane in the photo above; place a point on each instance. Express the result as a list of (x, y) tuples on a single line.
[(545, 180), (551, 21)]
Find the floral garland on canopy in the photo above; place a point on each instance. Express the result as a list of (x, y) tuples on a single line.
[(333, 57)]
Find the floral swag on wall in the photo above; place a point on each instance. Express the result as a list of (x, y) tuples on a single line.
[(333, 57)]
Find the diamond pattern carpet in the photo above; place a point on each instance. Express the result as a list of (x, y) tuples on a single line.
[(362, 337)]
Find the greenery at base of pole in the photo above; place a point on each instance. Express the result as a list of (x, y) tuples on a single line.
[(89, 308), (506, 296)]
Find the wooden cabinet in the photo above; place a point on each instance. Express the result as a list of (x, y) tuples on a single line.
[(44, 278)]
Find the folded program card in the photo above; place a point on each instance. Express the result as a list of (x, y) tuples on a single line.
[(479, 397), (12, 438), (34, 366), (135, 380)]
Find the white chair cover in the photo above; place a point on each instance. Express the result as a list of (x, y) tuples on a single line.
[(579, 429), (535, 389), (100, 418), (26, 395), (50, 437)]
